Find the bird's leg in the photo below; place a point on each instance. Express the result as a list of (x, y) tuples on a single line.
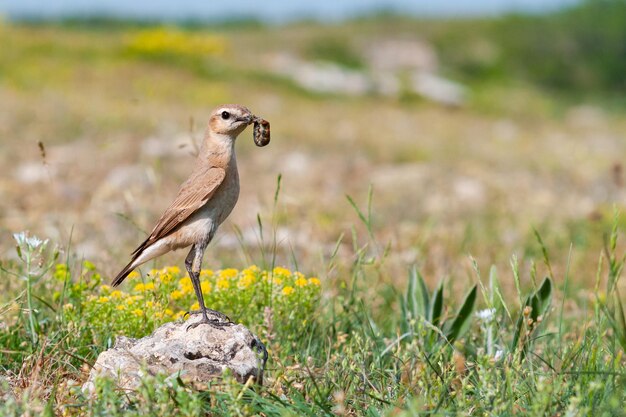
[(189, 264), (193, 264)]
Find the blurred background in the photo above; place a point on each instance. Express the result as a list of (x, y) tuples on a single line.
[(473, 122)]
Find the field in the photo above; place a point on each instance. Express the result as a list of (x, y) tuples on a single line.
[(430, 258)]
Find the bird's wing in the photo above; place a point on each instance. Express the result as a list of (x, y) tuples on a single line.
[(193, 194)]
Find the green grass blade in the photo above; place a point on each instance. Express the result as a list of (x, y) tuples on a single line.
[(544, 297), (423, 295), (461, 322), (418, 299), (436, 307), (620, 319)]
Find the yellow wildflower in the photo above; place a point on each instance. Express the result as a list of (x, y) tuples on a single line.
[(103, 299), (121, 307), (131, 300), (161, 314), (314, 281), (206, 273), (301, 282), (116, 294), (134, 275), (179, 315), (279, 270), (166, 278), (144, 287), (228, 273), (195, 306), (168, 312), (161, 40), (252, 269), (223, 284), (61, 272), (277, 280), (288, 290), (174, 270), (185, 285), (137, 312), (246, 280), (206, 287), (105, 288), (298, 275), (149, 304), (176, 294)]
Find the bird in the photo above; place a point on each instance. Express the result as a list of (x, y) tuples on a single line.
[(203, 202)]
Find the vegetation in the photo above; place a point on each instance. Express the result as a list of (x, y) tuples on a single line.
[(509, 358), (503, 212), (560, 51)]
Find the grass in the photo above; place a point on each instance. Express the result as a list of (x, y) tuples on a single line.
[(501, 212), (330, 356)]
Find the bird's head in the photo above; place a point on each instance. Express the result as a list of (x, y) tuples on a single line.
[(230, 120)]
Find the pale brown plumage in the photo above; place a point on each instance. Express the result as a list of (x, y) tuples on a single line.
[(204, 200), (194, 193)]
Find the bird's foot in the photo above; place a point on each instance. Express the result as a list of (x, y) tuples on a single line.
[(220, 322), (220, 316), (215, 323)]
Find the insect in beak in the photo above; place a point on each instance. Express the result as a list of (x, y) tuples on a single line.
[(261, 132)]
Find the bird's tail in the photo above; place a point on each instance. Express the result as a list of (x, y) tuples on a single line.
[(123, 274), (131, 265)]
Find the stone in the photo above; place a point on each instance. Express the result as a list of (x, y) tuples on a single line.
[(438, 89), (322, 76), (196, 354)]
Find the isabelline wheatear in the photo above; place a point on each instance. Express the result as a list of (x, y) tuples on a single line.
[(204, 201)]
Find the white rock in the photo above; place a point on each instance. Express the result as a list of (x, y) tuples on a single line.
[(197, 355), (438, 89), (322, 77)]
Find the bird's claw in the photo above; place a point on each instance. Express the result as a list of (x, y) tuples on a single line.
[(221, 321), (220, 316), (215, 323)]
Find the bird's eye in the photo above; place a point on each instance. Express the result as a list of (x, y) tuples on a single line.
[(225, 115)]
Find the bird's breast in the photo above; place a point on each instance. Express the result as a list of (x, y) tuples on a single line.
[(226, 196), (202, 225)]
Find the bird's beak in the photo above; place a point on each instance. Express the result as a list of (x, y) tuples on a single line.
[(248, 119)]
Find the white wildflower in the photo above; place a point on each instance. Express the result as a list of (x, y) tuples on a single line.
[(486, 315), (32, 243), (20, 238)]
